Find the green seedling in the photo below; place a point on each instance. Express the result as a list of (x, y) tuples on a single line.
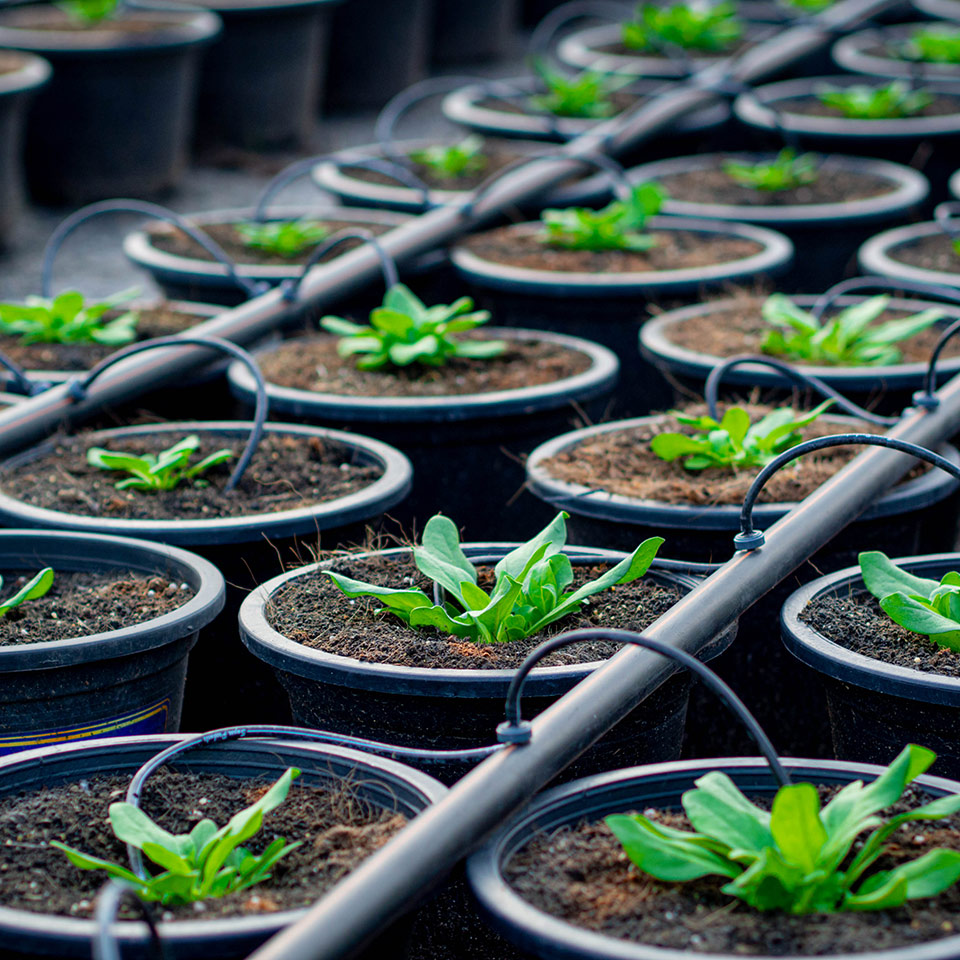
[(851, 338), (68, 318), (733, 442), (585, 95), (452, 161), (618, 226), (860, 101), (695, 26), (206, 862), (939, 44), (917, 604), (404, 330), (530, 590), (786, 171), (797, 858), (165, 470), (282, 238), (89, 12), (34, 589)]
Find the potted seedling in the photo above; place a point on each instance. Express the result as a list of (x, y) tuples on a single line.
[(109, 61), (930, 51), (418, 647)]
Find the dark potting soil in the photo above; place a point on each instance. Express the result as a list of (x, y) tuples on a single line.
[(622, 462), (313, 611), (620, 49), (944, 104), (154, 322), (621, 100), (312, 363), (52, 18), (739, 328), (169, 239), (337, 828), (581, 875), (286, 472), (933, 252), (10, 62), (81, 604), (516, 246), (858, 623), (833, 185)]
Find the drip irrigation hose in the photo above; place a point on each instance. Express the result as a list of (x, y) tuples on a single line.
[(111, 895), (712, 388), (515, 730), (830, 297), (750, 539), (288, 175), (402, 174), (290, 288), (22, 383), (101, 208), (77, 386), (545, 32), (927, 398), (947, 217)]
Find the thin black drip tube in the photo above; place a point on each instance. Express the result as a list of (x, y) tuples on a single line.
[(288, 175), (111, 895), (517, 731), (829, 297), (78, 386), (927, 398), (22, 382), (947, 217)]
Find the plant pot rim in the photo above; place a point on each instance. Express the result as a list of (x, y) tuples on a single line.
[(194, 933), (180, 28), (579, 49), (548, 935), (264, 7), (775, 254), (930, 487), (281, 653), (954, 184), (910, 187), (657, 347), (939, 9), (849, 54), (814, 649), (463, 106), (751, 111), (199, 610), (383, 493), (330, 175), (874, 255), (599, 377), (33, 72)]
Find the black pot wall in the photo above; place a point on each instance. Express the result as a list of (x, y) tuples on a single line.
[(467, 32)]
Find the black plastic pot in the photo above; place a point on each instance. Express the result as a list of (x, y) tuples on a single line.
[(465, 449), (607, 308), (125, 681), (954, 184), (541, 935), (467, 32), (377, 49), (825, 233), (857, 54), (382, 783), (891, 388), (247, 550), (450, 709), (876, 707), (115, 120), (875, 255), (260, 83), (17, 87)]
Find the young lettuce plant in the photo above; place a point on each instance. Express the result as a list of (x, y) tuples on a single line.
[(89, 12), (33, 589), (448, 162), (165, 470), (847, 339), (939, 44), (206, 862), (618, 226), (530, 590), (282, 238), (585, 95), (68, 318), (798, 858), (917, 604), (733, 442), (786, 171), (704, 27), (863, 102), (404, 330)]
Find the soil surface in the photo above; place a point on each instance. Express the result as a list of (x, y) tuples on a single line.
[(312, 363), (11, 62), (313, 611), (622, 462), (934, 252), (581, 875), (858, 623), (286, 472), (713, 185), (154, 322), (171, 240), (620, 49), (739, 328), (943, 105), (51, 18), (515, 246), (338, 831), (81, 604), (621, 100)]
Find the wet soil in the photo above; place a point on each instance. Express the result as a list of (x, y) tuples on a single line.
[(933, 252)]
